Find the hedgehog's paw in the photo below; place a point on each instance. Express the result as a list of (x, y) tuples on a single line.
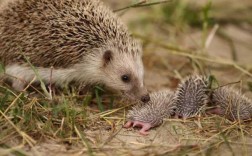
[(144, 126), (128, 124), (18, 85), (216, 111)]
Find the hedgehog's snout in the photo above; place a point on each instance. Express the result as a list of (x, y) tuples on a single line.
[(145, 98)]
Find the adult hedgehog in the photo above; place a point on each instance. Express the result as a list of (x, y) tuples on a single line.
[(81, 39)]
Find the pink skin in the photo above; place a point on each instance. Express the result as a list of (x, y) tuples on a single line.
[(216, 110), (144, 126)]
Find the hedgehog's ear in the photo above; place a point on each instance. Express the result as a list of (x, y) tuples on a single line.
[(107, 57)]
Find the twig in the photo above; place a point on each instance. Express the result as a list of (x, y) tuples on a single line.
[(25, 136), (211, 36), (141, 4), (110, 137), (50, 84), (217, 134)]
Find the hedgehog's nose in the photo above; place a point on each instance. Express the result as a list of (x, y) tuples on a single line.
[(145, 98)]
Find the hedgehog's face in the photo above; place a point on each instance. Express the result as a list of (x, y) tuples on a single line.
[(124, 72)]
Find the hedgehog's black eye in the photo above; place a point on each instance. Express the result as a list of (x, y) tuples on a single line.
[(125, 78)]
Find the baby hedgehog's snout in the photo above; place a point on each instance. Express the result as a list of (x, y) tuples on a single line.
[(145, 98), (151, 114)]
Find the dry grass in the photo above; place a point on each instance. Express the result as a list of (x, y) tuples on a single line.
[(179, 38)]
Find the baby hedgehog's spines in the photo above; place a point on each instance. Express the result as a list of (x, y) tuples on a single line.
[(191, 95), (231, 104), (151, 114)]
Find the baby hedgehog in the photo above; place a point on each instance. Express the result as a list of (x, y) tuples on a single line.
[(231, 104), (191, 96), (82, 40), (152, 113)]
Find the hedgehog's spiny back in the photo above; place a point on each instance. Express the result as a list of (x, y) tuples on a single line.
[(63, 31), (161, 106), (233, 105), (191, 95)]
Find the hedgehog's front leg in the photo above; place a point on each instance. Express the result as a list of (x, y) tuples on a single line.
[(128, 124), (19, 75), (17, 84), (144, 126)]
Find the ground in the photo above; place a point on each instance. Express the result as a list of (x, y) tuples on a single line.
[(179, 38)]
